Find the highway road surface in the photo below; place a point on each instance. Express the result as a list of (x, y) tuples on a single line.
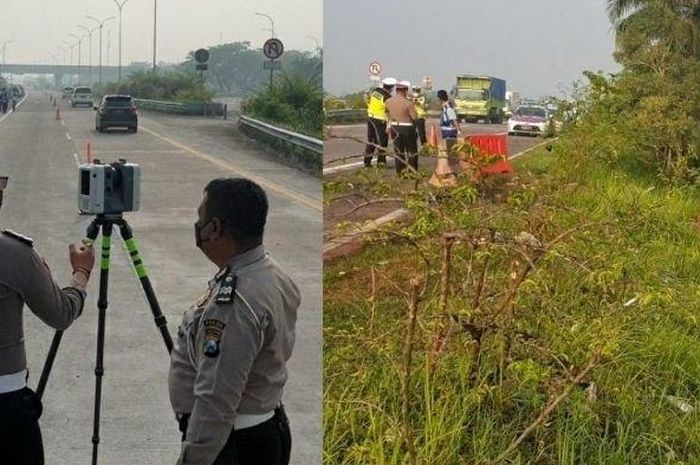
[(348, 140), (178, 156)]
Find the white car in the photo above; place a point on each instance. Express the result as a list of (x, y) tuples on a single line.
[(529, 119), (81, 96)]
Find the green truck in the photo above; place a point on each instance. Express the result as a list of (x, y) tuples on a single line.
[(480, 97)]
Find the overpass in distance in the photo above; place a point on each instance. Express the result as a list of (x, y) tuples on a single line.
[(72, 74)]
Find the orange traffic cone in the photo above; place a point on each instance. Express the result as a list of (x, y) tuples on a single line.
[(432, 138), (444, 174)]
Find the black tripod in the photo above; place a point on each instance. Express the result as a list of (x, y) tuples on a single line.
[(106, 222)]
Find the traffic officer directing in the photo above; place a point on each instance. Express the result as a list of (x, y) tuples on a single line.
[(419, 103), (228, 368), (25, 279), (376, 122), (402, 114)]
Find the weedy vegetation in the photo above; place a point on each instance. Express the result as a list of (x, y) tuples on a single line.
[(549, 317)]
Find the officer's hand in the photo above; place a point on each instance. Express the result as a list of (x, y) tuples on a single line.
[(82, 259)]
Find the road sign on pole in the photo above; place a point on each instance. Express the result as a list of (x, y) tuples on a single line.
[(273, 48), (201, 55), (375, 68)]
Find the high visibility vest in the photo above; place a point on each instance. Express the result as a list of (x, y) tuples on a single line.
[(419, 103), (377, 105)]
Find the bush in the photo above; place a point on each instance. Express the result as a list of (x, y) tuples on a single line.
[(169, 85), (293, 101)]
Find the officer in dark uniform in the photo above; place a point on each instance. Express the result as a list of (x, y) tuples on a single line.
[(25, 279), (228, 368)]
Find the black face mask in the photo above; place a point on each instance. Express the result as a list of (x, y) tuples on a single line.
[(197, 234)]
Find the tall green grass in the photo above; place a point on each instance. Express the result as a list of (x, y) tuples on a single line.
[(642, 245)]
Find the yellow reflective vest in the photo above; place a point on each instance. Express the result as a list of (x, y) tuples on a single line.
[(419, 103), (377, 104)]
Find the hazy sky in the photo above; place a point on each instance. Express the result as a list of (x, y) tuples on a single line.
[(38, 27), (538, 46)]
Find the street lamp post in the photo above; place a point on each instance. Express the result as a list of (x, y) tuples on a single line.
[(100, 24), (120, 6), (4, 46), (155, 9), (80, 63), (272, 22), (89, 32), (70, 46), (272, 31)]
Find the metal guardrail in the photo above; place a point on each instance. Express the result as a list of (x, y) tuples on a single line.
[(159, 105), (193, 109), (353, 114), (346, 113), (300, 140)]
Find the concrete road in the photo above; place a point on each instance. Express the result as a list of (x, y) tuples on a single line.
[(346, 141), (178, 156)]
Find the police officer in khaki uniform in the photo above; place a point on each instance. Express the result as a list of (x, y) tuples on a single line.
[(25, 279), (228, 368), (402, 116)]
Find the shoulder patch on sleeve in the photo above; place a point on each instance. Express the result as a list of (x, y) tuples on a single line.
[(227, 290), (18, 237), (213, 330)]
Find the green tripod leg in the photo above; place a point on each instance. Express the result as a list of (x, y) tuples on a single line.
[(142, 274)]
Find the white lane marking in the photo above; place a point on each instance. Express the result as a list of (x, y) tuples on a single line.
[(68, 136), (280, 189), (355, 164), (77, 162), (347, 166), (63, 123), (347, 126), (9, 112), (532, 148)]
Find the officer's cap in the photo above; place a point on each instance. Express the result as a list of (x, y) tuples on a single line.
[(403, 85), (390, 81)]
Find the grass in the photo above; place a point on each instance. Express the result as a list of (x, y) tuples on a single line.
[(623, 289)]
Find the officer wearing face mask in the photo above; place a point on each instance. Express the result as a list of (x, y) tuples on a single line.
[(228, 367)]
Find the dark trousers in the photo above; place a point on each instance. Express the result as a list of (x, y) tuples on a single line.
[(3, 104), (269, 443), (376, 135), (420, 129), (20, 436), (405, 147)]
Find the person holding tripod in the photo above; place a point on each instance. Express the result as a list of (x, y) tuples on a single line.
[(228, 367), (25, 279)]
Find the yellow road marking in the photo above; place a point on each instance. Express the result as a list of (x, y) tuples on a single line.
[(309, 202)]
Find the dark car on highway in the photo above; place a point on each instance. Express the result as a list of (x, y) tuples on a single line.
[(116, 111)]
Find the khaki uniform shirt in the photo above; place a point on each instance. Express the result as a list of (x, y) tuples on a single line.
[(401, 110), (25, 278), (231, 352)]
